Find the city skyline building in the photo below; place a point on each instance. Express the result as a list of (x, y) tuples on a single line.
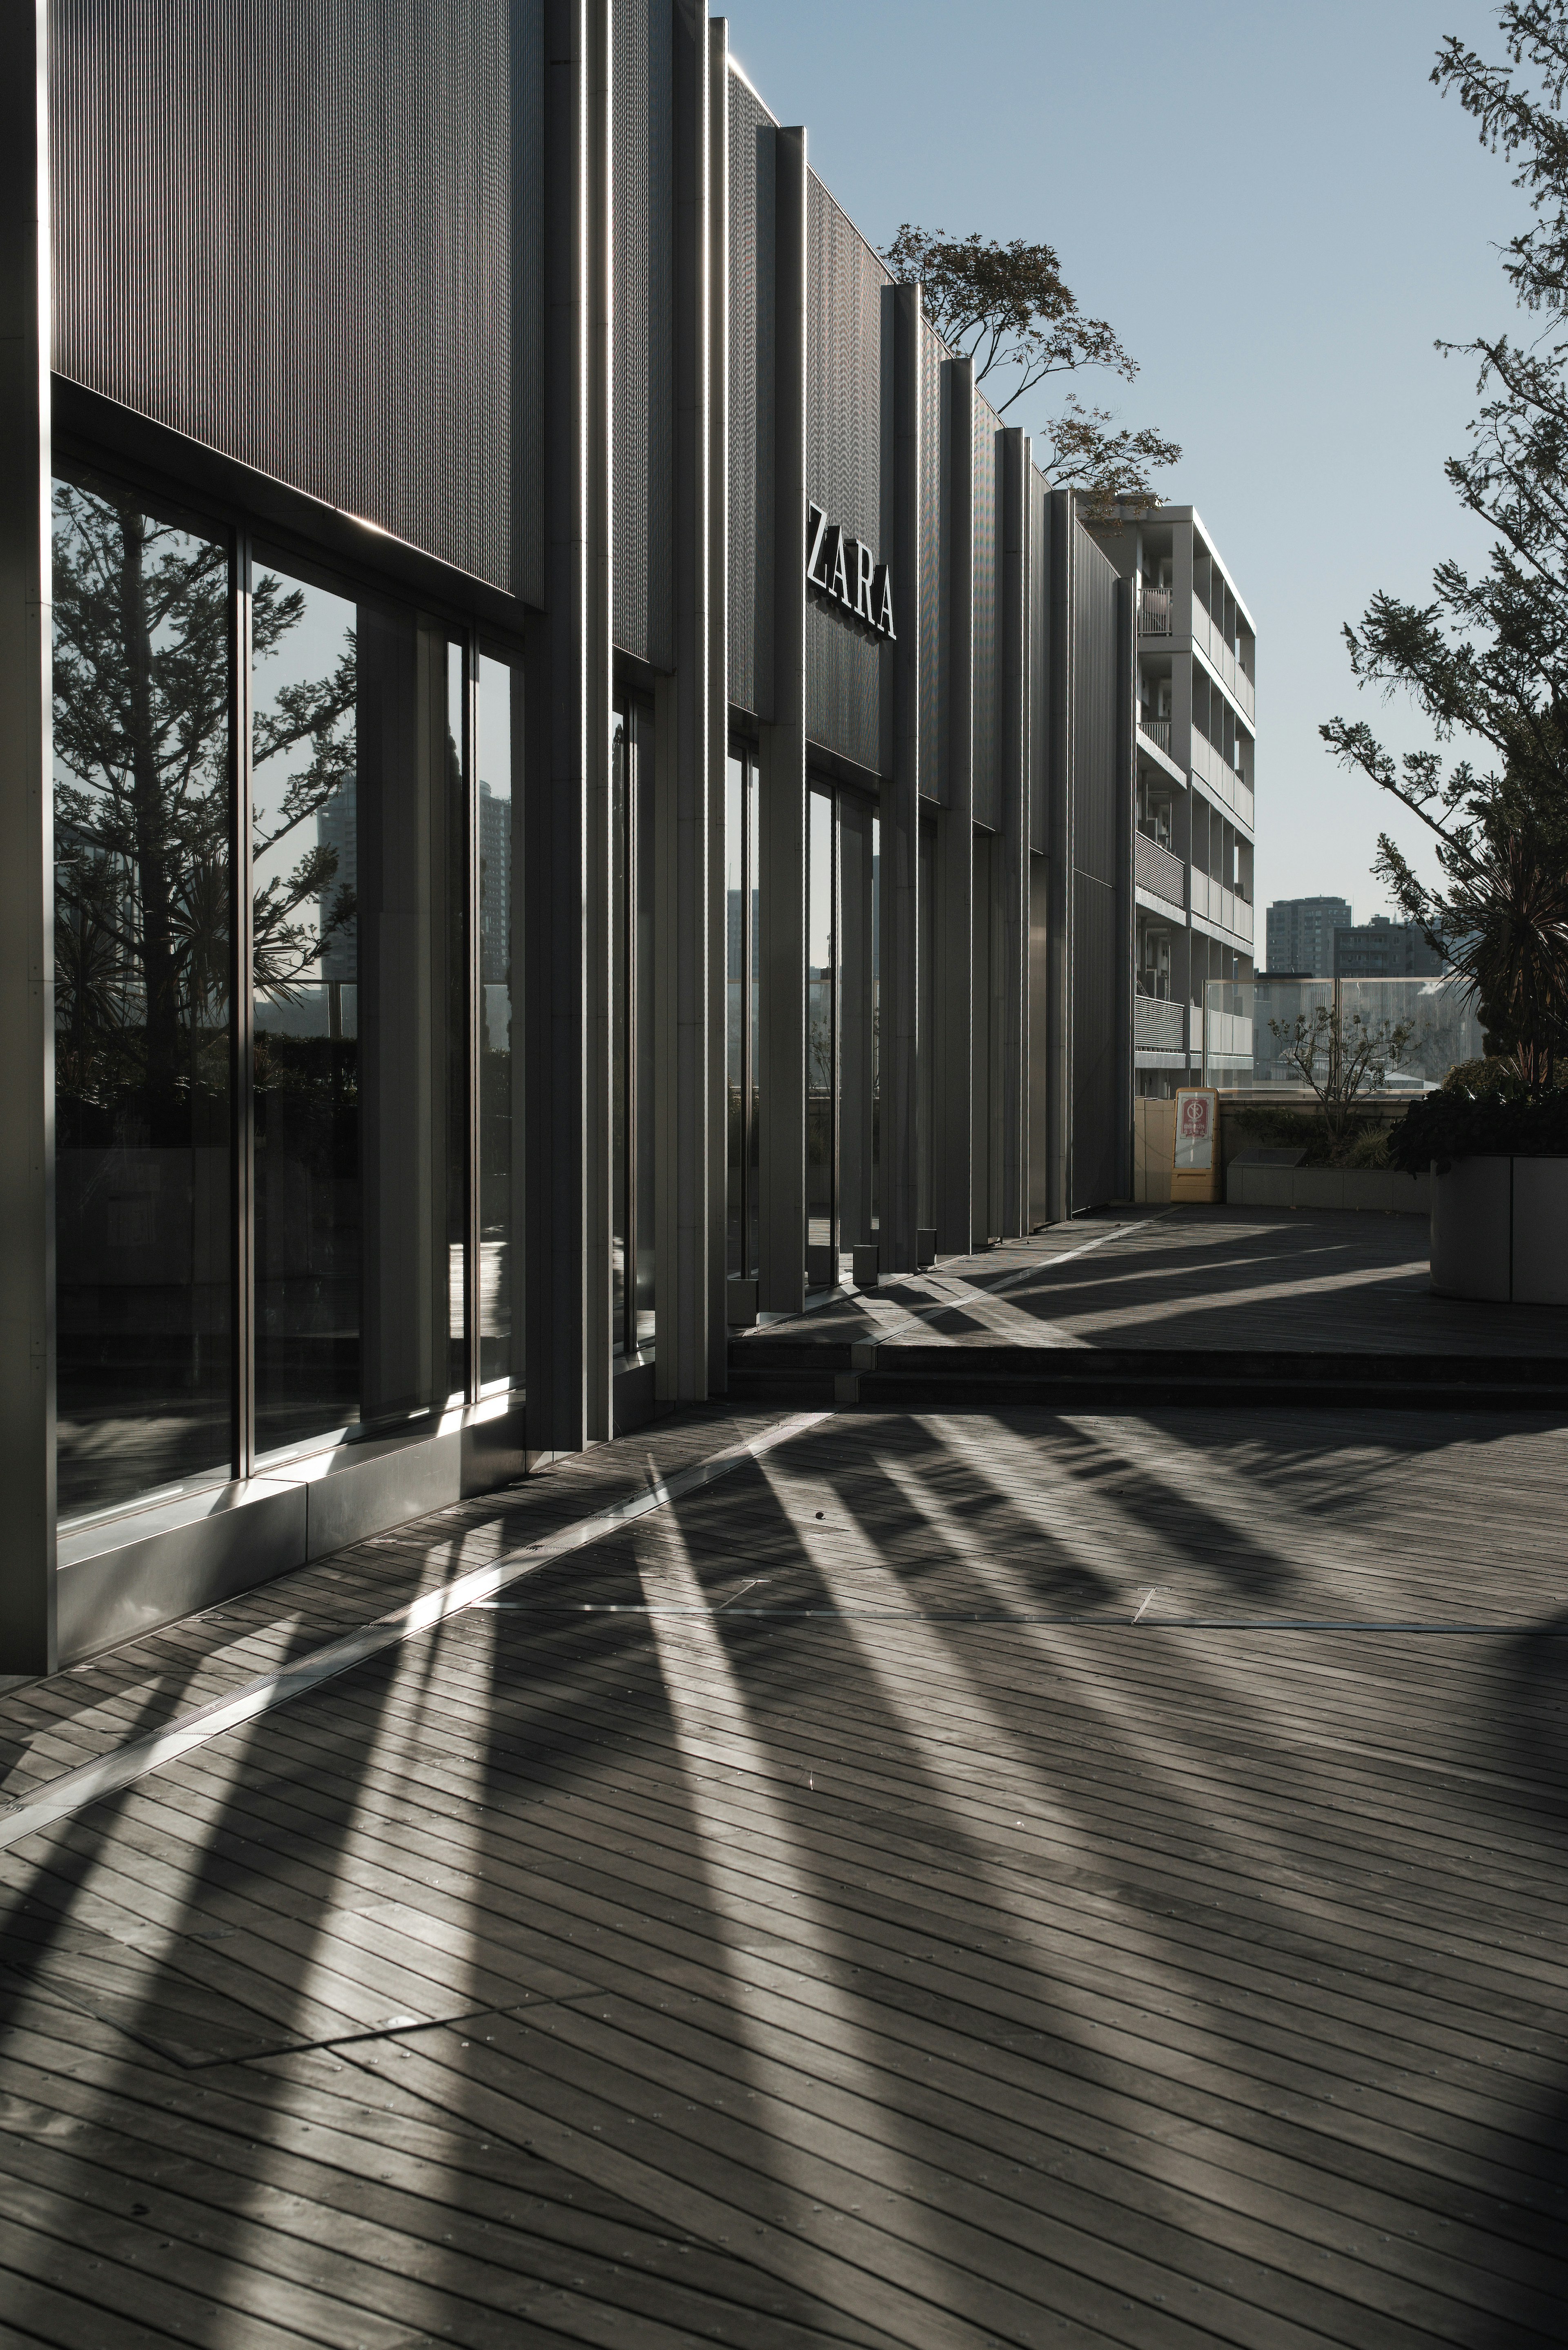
[(1300, 934)]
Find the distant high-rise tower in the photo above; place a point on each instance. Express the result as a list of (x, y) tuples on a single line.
[(1301, 933)]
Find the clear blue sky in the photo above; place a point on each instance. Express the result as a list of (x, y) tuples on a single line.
[(1279, 215)]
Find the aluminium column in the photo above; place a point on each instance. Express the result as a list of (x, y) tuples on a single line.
[(783, 817), (1127, 788), (717, 694), (898, 1167), (1013, 534), (566, 786), (1061, 793), (952, 1102), (26, 867), (682, 1159)]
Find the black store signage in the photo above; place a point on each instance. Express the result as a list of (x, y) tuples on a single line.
[(848, 572)]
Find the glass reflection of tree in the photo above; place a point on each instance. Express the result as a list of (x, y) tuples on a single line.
[(141, 722), (142, 655)]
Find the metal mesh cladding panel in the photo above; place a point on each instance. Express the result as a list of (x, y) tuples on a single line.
[(936, 443), (642, 391), (1095, 706), (753, 192), (987, 801), (1039, 657), (850, 452), (308, 236)]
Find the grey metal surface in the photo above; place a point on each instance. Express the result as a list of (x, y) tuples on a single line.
[(642, 381), (720, 85), (935, 577), (898, 1200), (953, 1040), (27, 869), (984, 619), (306, 237), (783, 785), (750, 397), (683, 779), (1099, 760), (566, 817), (849, 474)]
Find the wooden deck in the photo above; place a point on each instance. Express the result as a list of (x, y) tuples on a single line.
[(1179, 1278), (1022, 1879)]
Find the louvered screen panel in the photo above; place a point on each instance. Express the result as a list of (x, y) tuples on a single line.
[(936, 445), (848, 441), (309, 237), (1095, 1042), (753, 204), (987, 799), (641, 390)]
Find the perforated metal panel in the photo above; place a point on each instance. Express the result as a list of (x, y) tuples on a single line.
[(1095, 710), (849, 450), (308, 235), (1094, 782), (752, 205), (1039, 657), (1095, 1042), (935, 448), (643, 387), (985, 731)]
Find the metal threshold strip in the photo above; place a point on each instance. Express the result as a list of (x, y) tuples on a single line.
[(73, 1790)]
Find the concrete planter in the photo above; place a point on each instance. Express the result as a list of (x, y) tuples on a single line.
[(1377, 1188), (1499, 1231)]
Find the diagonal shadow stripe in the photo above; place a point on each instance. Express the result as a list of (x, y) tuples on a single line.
[(73, 1790)]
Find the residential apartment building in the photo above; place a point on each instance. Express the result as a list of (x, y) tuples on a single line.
[(1194, 781), (640, 768), (1383, 949), (1301, 934)]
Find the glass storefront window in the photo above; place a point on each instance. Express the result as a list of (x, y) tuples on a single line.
[(741, 1016), (143, 813), (355, 897), (633, 1274), (380, 1109), (500, 1070), (821, 1046)]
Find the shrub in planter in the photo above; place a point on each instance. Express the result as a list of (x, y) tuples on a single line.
[(1442, 1127)]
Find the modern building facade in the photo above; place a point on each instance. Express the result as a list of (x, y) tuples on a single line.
[(561, 771), (1301, 934), (1383, 949), (1194, 785)]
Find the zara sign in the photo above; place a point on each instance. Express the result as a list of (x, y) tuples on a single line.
[(847, 571)]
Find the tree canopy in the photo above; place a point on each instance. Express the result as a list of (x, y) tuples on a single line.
[(1486, 659), (1009, 309)]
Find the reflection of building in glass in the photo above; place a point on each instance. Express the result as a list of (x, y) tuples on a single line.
[(495, 895), (338, 828)]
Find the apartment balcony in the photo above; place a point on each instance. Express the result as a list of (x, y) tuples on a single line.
[(1155, 612), (1158, 730), (1232, 912), (1159, 1025), (1157, 870)]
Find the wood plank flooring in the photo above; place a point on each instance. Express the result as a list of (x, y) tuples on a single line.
[(1029, 1878), (1187, 1277)]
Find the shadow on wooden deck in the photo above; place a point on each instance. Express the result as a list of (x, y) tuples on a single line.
[(1017, 1879)]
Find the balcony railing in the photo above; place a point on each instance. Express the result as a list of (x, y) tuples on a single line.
[(1158, 871), (1158, 730), (1159, 1025), (1154, 615)]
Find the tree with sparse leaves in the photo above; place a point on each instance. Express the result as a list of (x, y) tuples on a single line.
[(1487, 659), (1009, 309)]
